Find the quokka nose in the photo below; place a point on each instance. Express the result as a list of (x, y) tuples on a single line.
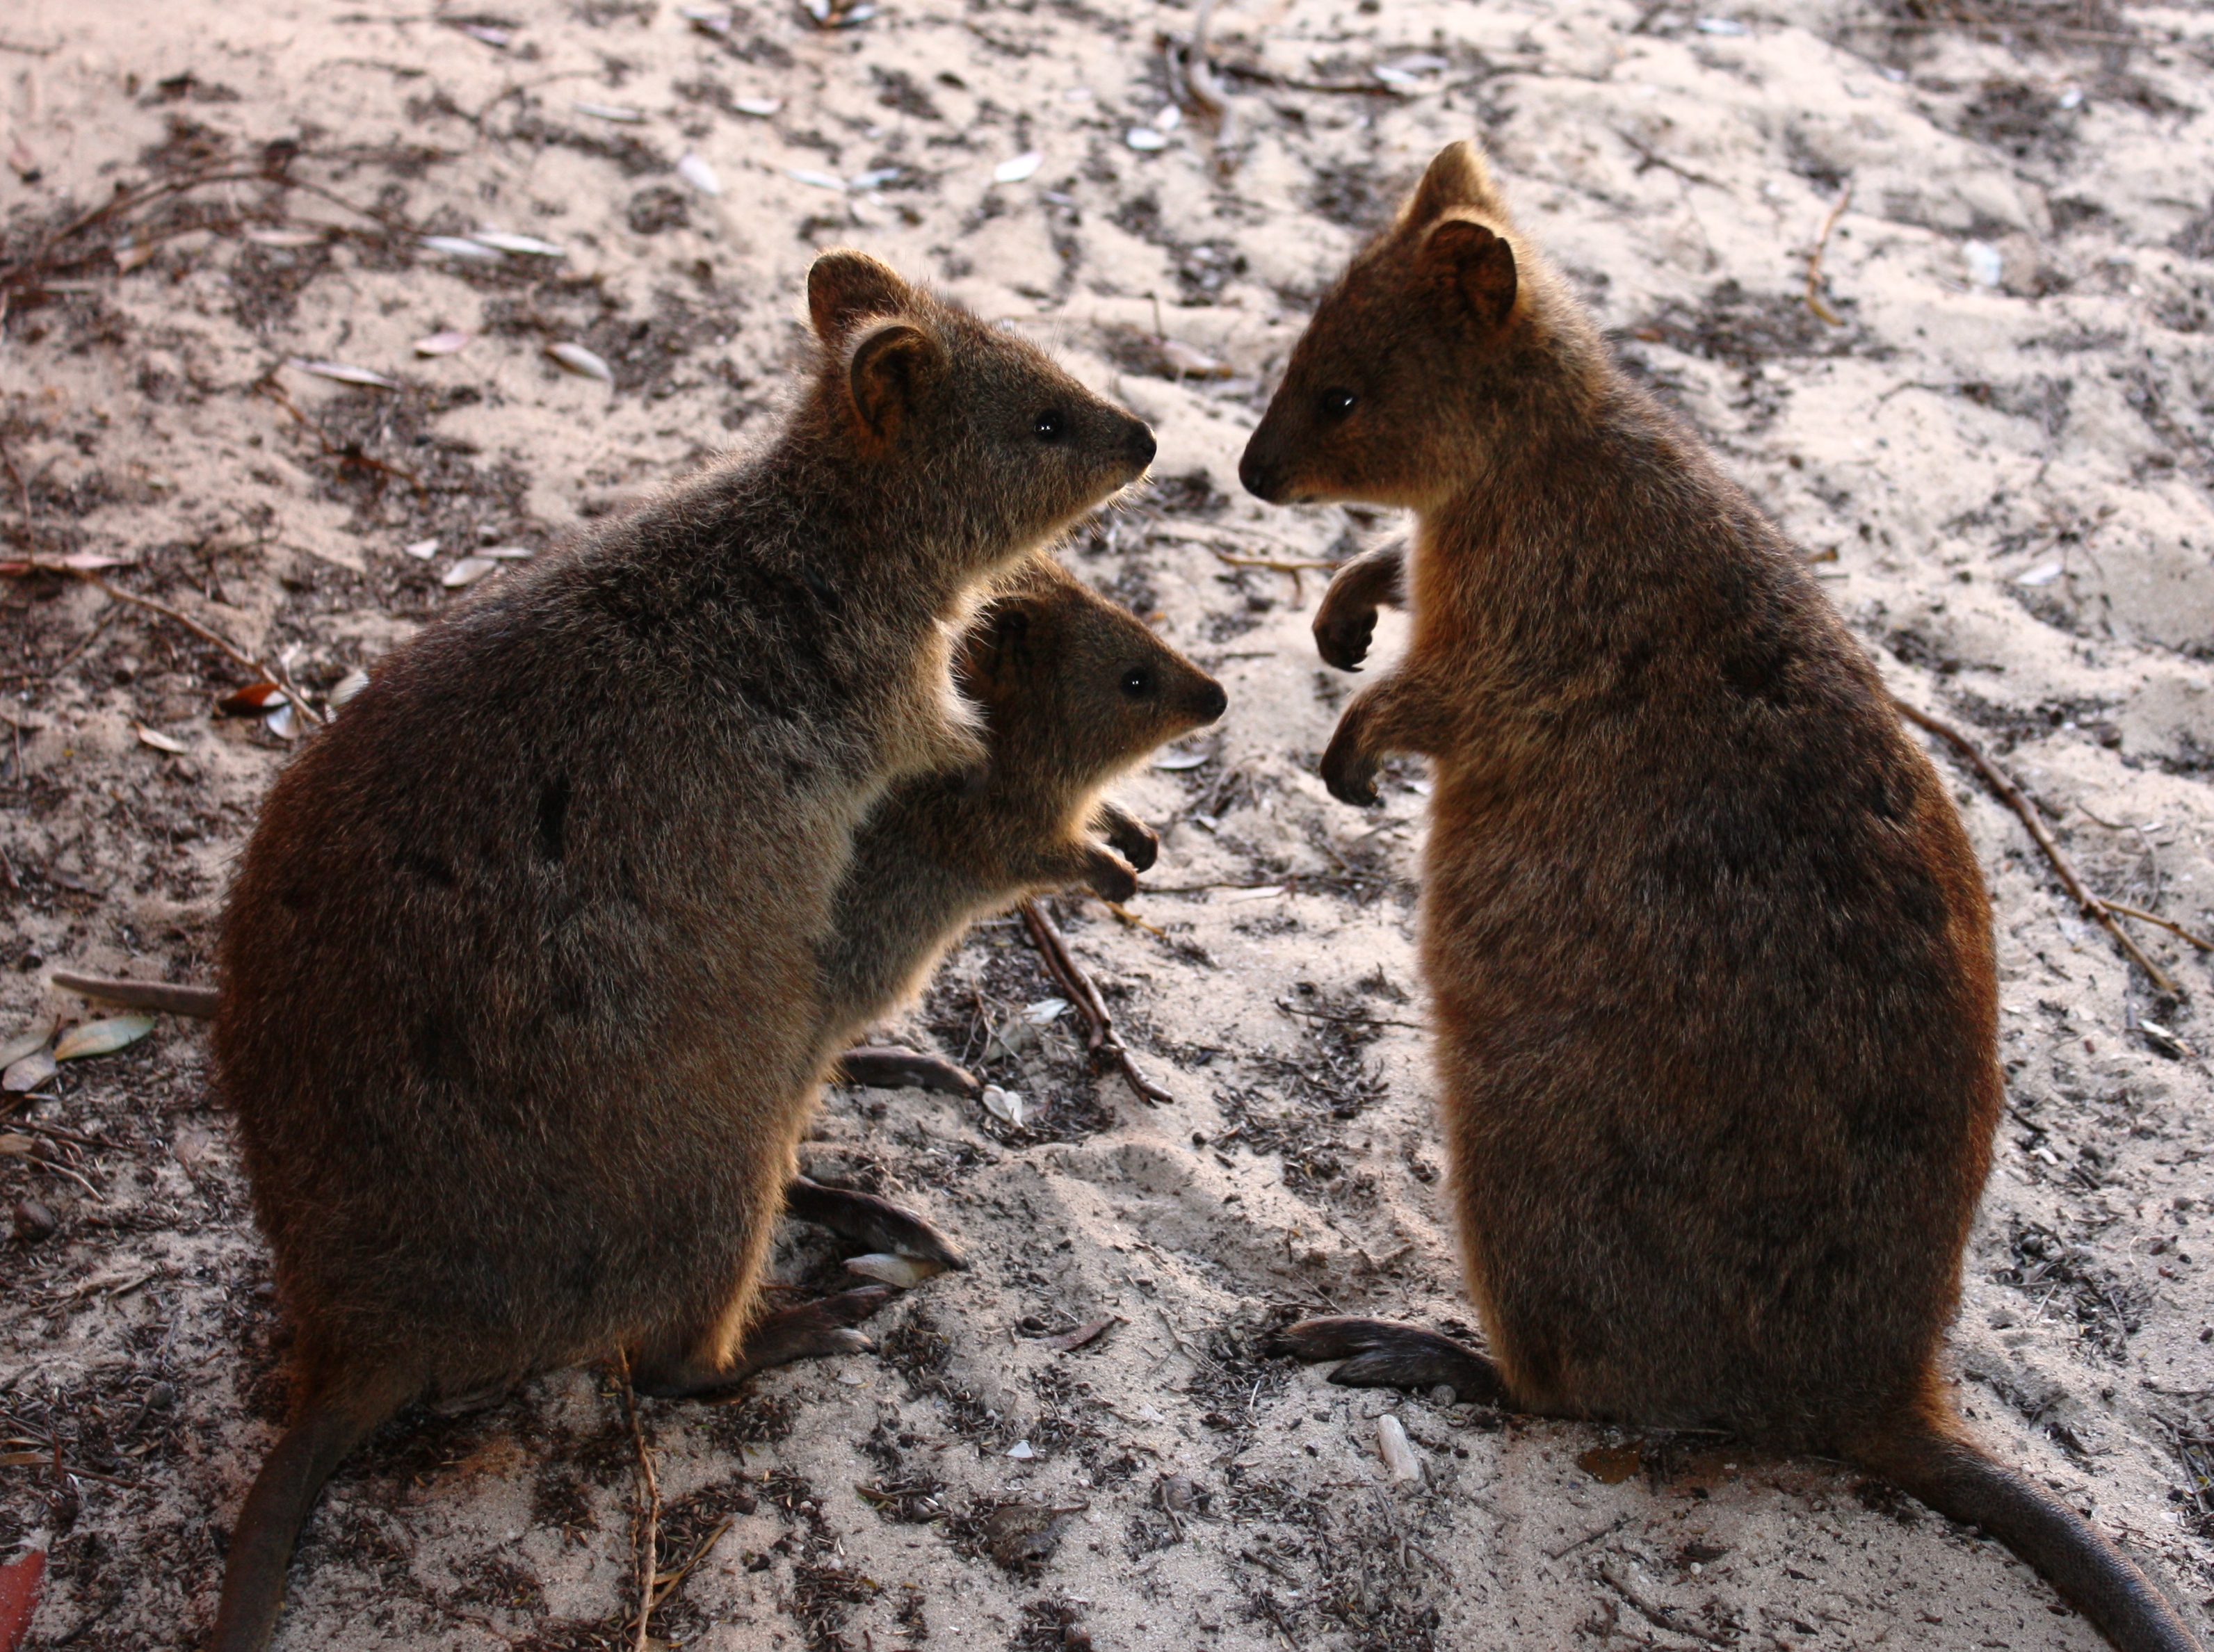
[(1137, 443), (1259, 480), (1212, 702)]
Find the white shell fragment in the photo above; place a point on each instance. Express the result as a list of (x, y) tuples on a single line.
[(1006, 1105), (903, 1273), (283, 722), (1169, 118), (1986, 266), (507, 242), (2043, 574), (1176, 761), (102, 1037), (1023, 166), (620, 112), (581, 362), (1045, 1011), (286, 238), (695, 171), (349, 685), (159, 741), (422, 550), (1021, 1452), (1392, 1445), (760, 107), (345, 373), (819, 180), (467, 571), (450, 342), (463, 247), (1145, 138)]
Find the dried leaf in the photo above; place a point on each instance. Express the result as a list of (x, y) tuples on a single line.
[(345, 373), (1021, 1452), (467, 571), (1176, 761), (904, 1272), (708, 20), (21, 160), (581, 362), (2043, 574), (1266, 892), (462, 247), (17, 1147), (30, 1040), (874, 180), (508, 553), (283, 722), (507, 242), (621, 112), (289, 238), (1145, 138), (695, 171), (819, 180), (1169, 118), (159, 741), (349, 685), (451, 341), (1187, 363), (1023, 166), (422, 550), (1392, 1445), (761, 107), (490, 34), (255, 700), (1006, 1105), (1069, 1341), (28, 1073), (132, 254), (102, 1037), (1045, 1011)]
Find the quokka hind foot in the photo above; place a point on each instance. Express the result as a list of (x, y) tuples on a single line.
[(877, 1223), (1379, 1354), (808, 1330)]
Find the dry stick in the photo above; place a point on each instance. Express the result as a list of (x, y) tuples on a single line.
[(2097, 911), (1206, 91), (1814, 259), (268, 673), (1100, 1039), (2172, 927), (669, 1583), (649, 1563)]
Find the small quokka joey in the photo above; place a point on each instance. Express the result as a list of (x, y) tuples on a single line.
[(1073, 690), (1711, 954), (519, 1006)]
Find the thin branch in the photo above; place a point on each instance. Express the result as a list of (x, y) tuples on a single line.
[(667, 1583), (649, 1563), (2174, 928), (1648, 157), (2099, 912), (1349, 1020), (1814, 299), (1100, 1040), (275, 674)]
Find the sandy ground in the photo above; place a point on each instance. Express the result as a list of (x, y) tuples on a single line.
[(1999, 454)]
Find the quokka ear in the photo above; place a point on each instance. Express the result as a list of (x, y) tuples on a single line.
[(997, 644), (1477, 266), (891, 370), (844, 287), (1457, 178)]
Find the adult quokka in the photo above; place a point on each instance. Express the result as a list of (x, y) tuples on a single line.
[(1073, 690), (1711, 954), (519, 993)]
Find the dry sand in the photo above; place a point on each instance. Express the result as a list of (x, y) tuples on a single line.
[(2000, 452)]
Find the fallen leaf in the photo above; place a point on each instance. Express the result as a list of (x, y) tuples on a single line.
[(1006, 1105), (620, 112), (1069, 1341), (17, 1147), (694, 170), (422, 550), (507, 242), (1145, 138), (874, 180), (708, 20), (29, 1073), (21, 160), (462, 247), (159, 741), (761, 107), (450, 342), (288, 238), (581, 362), (904, 1272), (1169, 118), (1045, 1011), (130, 256), (1021, 1452), (2043, 574), (255, 700), (490, 34), (1187, 363), (819, 180), (1023, 166), (1176, 761), (102, 1037), (349, 685), (1610, 1464), (283, 722), (31, 1038), (345, 373), (467, 571), (508, 553), (1393, 1447)]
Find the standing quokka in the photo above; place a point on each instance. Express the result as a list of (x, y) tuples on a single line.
[(519, 1002), (1073, 690), (1710, 953)]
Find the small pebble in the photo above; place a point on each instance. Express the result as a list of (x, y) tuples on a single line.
[(34, 1222)]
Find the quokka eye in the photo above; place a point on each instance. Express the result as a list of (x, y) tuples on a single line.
[(1051, 425), (1137, 682), (1337, 403)]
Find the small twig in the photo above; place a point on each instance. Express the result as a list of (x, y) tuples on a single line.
[(1568, 1549), (669, 1583), (2174, 928), (265, 673), (1206, 93), (2093, 908), (1349, 1020), (1648, 157), (649, 1562), (1100, 1042), (1814, 300), (1131, 920)]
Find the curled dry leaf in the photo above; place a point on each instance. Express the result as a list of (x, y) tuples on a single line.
[(575, 358), (490, 34), (1185, 362), (349, 685), (818, 180), (507, 243), (422, 550), (28, 1072), (17, 1147), (904, 1273), (1176, 761), (467, 571), (708, 20), (255, 700), (1069, 1341), (451, 341), (1023, 166), (289, 238), (284, 722), (345, 373), (695, 171), (1145, 138), (1006, 1105), (620, 112), (30, 1039), (874, 180), (760, 107), (1045, 1011), (159, 741), (1392, 1445), (102, 1037), (1169, 118), (463, 247), (508, 553)]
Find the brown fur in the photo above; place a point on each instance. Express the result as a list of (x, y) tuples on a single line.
[(519, 1007), (1710, 953), (1073, 689)]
